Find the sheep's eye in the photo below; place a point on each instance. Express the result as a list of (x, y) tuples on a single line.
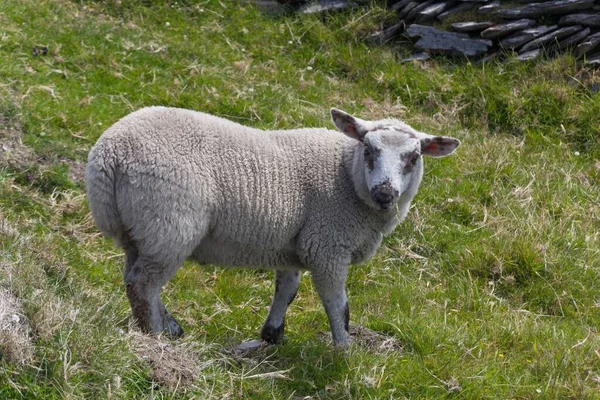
[(367, 152), (414, 159)]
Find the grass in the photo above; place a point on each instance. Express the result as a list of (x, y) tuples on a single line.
[(491, 285)]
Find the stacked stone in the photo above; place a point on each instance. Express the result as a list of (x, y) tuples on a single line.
[(527, 29)]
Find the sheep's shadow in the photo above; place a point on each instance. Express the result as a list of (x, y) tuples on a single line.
[(310, 368)]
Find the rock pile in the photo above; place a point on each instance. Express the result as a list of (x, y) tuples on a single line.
[(527, 29), (481, 29)]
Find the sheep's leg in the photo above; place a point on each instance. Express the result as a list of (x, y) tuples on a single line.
[(144, 279), (286, 287), (330, 284)]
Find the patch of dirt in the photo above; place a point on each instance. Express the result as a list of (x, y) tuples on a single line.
[(13, 153), (174, 365), (19, 157), (15, 344), (370, 340), (76, 170)]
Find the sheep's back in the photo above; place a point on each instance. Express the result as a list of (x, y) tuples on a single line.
[(252, 186)]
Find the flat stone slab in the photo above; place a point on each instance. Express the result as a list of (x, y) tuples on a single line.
[(592, 20), (251, 345), (387, 34), (545, 8), (588, 44), (416, 57), (518, 39), (325, 6), (489, 7), (529, 55), (399, 4), (471, 26), (430, 12), (412, 15), (407, 9), (456, 9), (593, 60), (573, 40), (450, 43), (553, 36), (501, 30)]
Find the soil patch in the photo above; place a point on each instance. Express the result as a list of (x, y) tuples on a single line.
[(173, 365)]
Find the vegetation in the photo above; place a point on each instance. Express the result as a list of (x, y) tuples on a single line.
[(491, 286)]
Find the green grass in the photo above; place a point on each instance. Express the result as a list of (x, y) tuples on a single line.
[(491, 284)]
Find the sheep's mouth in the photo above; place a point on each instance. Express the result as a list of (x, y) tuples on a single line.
[(385, 207)]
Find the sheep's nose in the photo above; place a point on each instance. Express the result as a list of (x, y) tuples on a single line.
[(384, 195)]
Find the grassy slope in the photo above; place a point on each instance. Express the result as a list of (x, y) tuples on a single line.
[(491, 284)]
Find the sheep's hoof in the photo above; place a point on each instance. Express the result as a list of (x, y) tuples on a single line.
[(271, 334), (172, 328)]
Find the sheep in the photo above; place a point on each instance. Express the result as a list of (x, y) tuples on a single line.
[(170, 184)]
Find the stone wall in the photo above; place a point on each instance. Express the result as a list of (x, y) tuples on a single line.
[(481, 29)]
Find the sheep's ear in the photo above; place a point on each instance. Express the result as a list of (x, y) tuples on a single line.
[(351, 126), (437, 146)]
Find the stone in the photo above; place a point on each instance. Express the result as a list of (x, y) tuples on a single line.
[(529, 55), (520, 38), (494, 56), (387, 34), (325, 6), (412, 15), (456, 9), (592, 20), (449, 43), (573, 40), (407, 9), (399, 4), (471, 26), (430, 12), (553, 36), (588, 44), (489, 7), (545, 8), (416, 57), (501, 30), (593, 60), (250, 345), (272, 7)]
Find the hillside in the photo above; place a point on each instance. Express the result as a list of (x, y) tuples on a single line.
[(490, 289)]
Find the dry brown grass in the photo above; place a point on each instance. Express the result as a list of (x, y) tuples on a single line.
[(174, 364), (15, 343)]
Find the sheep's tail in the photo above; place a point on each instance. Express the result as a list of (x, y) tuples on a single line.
[(101, 178)]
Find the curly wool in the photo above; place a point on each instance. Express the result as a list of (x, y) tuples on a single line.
[(178, 183)]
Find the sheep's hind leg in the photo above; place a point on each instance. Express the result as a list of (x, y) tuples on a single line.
[(144, 279), (286, 287)]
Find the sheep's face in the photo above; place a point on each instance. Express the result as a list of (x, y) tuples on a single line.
[(390, 160), (389, 154)]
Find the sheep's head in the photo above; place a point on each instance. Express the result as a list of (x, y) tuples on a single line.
[(389, 152)]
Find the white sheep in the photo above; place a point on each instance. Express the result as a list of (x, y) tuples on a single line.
[(170, 184)]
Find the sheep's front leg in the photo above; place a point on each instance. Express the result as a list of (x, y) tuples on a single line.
[(330, 284), (286, 287)]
